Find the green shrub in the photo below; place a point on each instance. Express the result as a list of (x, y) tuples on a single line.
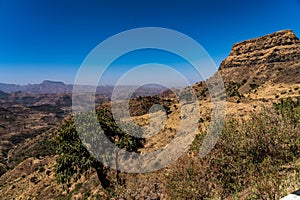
[(74, 159), (253, 86)]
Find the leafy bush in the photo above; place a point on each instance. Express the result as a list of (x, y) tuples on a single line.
[(73, 157)]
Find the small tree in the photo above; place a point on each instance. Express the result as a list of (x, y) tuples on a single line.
[(73, 157)]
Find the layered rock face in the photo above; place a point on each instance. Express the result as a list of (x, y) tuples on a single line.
[(282, 46), (274, 57)]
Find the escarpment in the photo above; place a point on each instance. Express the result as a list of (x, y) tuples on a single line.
[(274, 57), (282, 46)]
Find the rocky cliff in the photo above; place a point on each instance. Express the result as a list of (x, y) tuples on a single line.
[(274, 57), (281, 46)]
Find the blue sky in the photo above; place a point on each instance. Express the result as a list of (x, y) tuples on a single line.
[(49, 39)]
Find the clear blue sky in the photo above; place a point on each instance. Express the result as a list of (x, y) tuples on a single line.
[(49, 39)]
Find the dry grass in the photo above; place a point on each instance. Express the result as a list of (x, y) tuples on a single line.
[(249, 161)]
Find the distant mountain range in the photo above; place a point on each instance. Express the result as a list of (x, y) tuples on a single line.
[(58, 87), (44, 87)]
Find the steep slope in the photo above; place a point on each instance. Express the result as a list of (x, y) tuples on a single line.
[(274, 57)]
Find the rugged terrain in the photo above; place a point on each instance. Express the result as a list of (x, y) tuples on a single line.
[(257, 156), (24, 117)]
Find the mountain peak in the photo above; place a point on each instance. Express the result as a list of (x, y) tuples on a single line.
[(48, 82), (280, 38), (280, 46)]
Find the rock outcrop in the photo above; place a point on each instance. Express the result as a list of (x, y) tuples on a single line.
[(274, 57), (282, 46)]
